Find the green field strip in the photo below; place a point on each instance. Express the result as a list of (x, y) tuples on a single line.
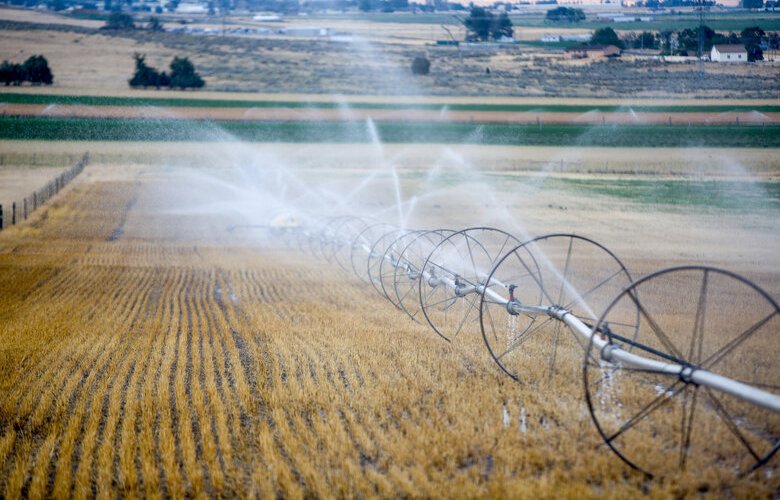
[(173, 102), (91, 129), (715, 194)]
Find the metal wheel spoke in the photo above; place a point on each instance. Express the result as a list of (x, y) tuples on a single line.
[(535, 278), (500, 252), (492, 324), (556, 334), (538, 327), (465, 317), (565, 271), (406, 294), (697, 338), (471, 255), (686, 425), (723, 351), (593, 289), (656, 328), (524, 337), (720, 410), (439, 302), (655, 404)]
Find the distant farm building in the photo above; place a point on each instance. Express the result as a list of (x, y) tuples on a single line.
[(267, 18), (555, 37), (191, 8), (728, 53), (623, 18), (585, 51), (306, 31)]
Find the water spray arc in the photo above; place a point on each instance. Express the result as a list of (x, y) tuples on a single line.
[(679, 361)]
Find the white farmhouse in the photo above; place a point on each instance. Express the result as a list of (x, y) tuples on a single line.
[(728, 53)]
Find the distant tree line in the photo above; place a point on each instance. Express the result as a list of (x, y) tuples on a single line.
[(383, 5), (565, 14), (119, 21), (34, 70), (124, 21), (607, 36), (182, 75), (686, 42)]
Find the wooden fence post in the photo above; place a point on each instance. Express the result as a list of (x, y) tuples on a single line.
[(24, 208), (13, 213)]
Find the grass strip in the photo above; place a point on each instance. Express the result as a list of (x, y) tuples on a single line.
[(715, 194), (91, 129)]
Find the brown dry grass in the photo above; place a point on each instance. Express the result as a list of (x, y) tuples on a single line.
[(80, 61), (37, 16)]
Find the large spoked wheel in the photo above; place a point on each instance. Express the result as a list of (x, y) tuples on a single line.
[(392, 261), (699, 318), (455, 273), (564, 270), (326, 237), (343, 236), (361, 247), (406, 282), (380, 250)]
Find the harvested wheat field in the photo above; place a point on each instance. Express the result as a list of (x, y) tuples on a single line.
[(147, 350)]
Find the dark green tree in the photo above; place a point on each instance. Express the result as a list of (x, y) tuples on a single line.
[(421, 66), (501, 27), (606, 36), (56, 5), (645, 40), (183, 74), (665, 38), (119, 21), (154, 24), (36, 71), (478, 24), (146, 76), (565, 14), (11, 73), (774, 41), (482, 25), (752, 34), (688, 40), (752, 38), (752, 4)]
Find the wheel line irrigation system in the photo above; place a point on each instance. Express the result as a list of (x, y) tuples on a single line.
[(524, 296)]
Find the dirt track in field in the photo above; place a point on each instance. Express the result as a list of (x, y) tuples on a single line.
[(402, 115)]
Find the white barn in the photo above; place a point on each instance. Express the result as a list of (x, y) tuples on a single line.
[(728, 53)]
